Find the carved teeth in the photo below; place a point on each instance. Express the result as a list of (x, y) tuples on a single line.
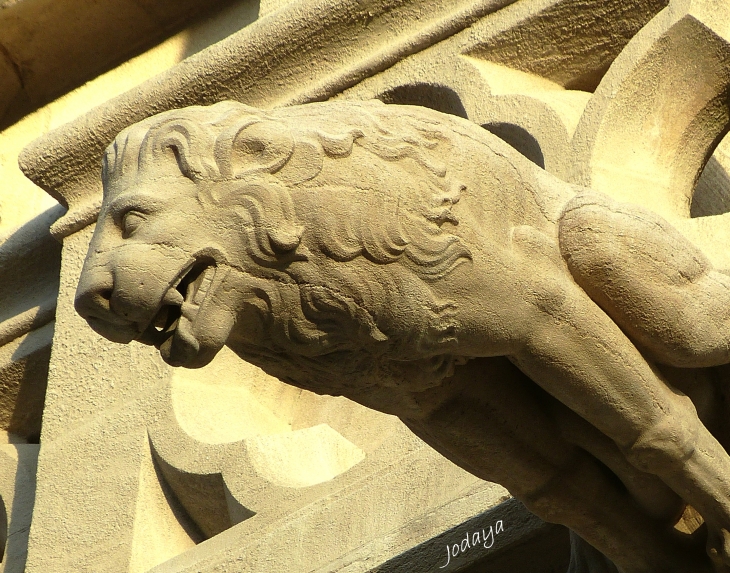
[(205, 282), (181, 276), (178, 309), (173, 297), (198, 287), (196, 292)]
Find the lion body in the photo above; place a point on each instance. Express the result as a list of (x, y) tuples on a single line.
[(412, 262)]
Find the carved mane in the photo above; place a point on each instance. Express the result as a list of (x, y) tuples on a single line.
[(268, 167)]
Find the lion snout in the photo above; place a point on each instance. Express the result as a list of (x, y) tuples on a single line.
[(94, 293), (92, 302)]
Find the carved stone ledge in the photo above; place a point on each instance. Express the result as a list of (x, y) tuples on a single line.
[(514, 549), (269, 63), (39, 38)]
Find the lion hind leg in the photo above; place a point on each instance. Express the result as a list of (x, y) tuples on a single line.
[(651, 280), (583, 493), (654, 497)]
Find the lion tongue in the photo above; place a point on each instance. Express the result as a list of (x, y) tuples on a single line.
[(181, 348), (211, 323)]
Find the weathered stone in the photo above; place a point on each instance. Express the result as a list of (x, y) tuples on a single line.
[(386, 254), (140, 463)]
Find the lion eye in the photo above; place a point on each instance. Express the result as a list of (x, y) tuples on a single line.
[(130, 222)]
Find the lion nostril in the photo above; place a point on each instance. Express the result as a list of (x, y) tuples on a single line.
[(94, 292)]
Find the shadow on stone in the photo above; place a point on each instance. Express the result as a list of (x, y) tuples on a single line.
[(526, 544), (520, 139), (438, 98), (712, 193)]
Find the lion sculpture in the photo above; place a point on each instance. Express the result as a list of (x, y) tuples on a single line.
[(537, 334)]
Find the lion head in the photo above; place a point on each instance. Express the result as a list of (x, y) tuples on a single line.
[(306, 238)]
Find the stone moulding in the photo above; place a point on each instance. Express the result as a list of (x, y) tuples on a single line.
[(306, 51)]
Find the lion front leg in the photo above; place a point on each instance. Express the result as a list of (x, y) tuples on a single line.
[(500, 426), (579, 355)]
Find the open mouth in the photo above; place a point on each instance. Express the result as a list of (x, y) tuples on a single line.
[(180, 306)]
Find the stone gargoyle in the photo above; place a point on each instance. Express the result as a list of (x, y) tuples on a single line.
[(537, 334)]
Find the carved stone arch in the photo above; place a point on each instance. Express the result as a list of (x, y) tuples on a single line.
[(656, 118), (651, 125)]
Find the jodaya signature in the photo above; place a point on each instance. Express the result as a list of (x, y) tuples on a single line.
[(483, 538)]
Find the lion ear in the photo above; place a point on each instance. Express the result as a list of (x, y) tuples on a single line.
[(260, 146), (171, 149), (176, 148)]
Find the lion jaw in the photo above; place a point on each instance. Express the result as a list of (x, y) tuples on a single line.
[(180, 329)]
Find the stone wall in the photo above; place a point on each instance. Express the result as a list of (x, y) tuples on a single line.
[(139, 467)]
